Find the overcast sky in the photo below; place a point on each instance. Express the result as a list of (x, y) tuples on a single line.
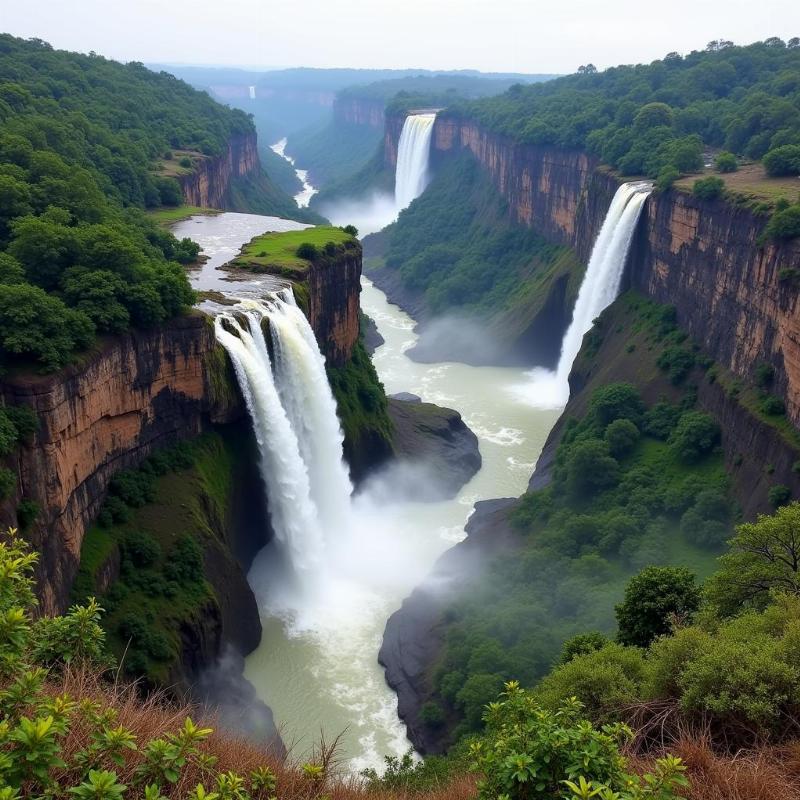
[(490, 35)]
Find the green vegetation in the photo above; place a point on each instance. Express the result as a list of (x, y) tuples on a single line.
[(457, 247), (86, 144), (726, 162), (168, 216), (157, 524), (642, 118), (291, 253), (361, 404), (61, 735), (531, 753), (708, 188), (784, 160), (603, 518)]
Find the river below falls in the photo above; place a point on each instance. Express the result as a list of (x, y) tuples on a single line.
[(317, 668)]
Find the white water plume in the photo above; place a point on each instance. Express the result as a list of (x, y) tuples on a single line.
[(599, 289), (413, 155)]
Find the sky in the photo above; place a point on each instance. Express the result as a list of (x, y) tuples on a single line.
[(489, 35)]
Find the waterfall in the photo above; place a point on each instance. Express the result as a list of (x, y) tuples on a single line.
[(294, 419), (413, 151), (599, 289)]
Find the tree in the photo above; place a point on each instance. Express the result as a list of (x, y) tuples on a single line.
[(708, 188), (695, 435), (616, 401), (621, 436), (653, 115), (764, 556), (726, 162), (591, 467), (653, 599), (784, 224), (783, 161)]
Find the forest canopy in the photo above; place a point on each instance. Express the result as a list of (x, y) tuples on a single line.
[(644, 118), (80, 137)]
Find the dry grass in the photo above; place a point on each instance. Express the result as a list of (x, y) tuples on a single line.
[(155, 715), (751, 182)]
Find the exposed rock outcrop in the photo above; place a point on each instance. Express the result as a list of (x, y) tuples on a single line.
[(414, 634), (358, 111), (210, 181), (437, 442)]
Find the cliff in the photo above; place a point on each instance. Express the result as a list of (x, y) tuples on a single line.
[(137, 392), (701, 256), (209, 184), (359, 111)]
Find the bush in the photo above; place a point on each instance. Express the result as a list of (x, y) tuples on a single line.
[(432, 715), (726, 162), (590, 467), (616, 401), (708, 188), (779, 495), (772, 406), (784, 225), (783, 161), (27, 511), (582, 643), (653, 598), (677, 362), (621, 436), (666, 177), (186, 162), (764, 374), (142, 549), (185, 564), (8, 482), (531, 753), (661, 419), (695, 435), (307, 251)]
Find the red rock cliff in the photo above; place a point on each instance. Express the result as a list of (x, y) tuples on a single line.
[(208, 185), (140, 391), (701, 256)]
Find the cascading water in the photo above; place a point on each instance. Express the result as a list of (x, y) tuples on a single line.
[(294, 419), (413, 152), (599, 289)]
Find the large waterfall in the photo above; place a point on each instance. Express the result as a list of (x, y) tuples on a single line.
[(294, 419), (599, 289), (413, 152)]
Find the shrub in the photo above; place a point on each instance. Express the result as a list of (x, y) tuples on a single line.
[(531, 753), (185, 564), (726, 162), (186, 162), (621, 435), (677, 362), (8, 482), (27, 511), (661, 419), (351, 229), (779, 495), (708, 188), (307, 251), (582, 643), (772, 406), (783, 161), (142, 549), (653, 598), (329, 249), (695, 435), (605, 680), (666, 177), (616, 401), (785, 225), (764, 374), (590, 467), (432, 715)]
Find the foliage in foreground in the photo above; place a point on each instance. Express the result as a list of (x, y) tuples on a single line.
[(531, 753), (39, 729)]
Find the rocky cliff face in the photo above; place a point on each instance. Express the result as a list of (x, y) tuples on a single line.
[(703, 257), (359, 111), (140, 391), (391, 138), (208, 185), (334, 287)]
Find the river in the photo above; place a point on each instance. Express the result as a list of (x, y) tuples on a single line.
[(318, 671)]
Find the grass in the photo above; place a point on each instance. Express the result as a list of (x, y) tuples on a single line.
[(171, 168), (277, 252), (168, 216), (750, 184)]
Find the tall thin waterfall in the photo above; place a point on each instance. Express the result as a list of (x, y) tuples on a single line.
[(294, 418), (413, 152), (599, 289)]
